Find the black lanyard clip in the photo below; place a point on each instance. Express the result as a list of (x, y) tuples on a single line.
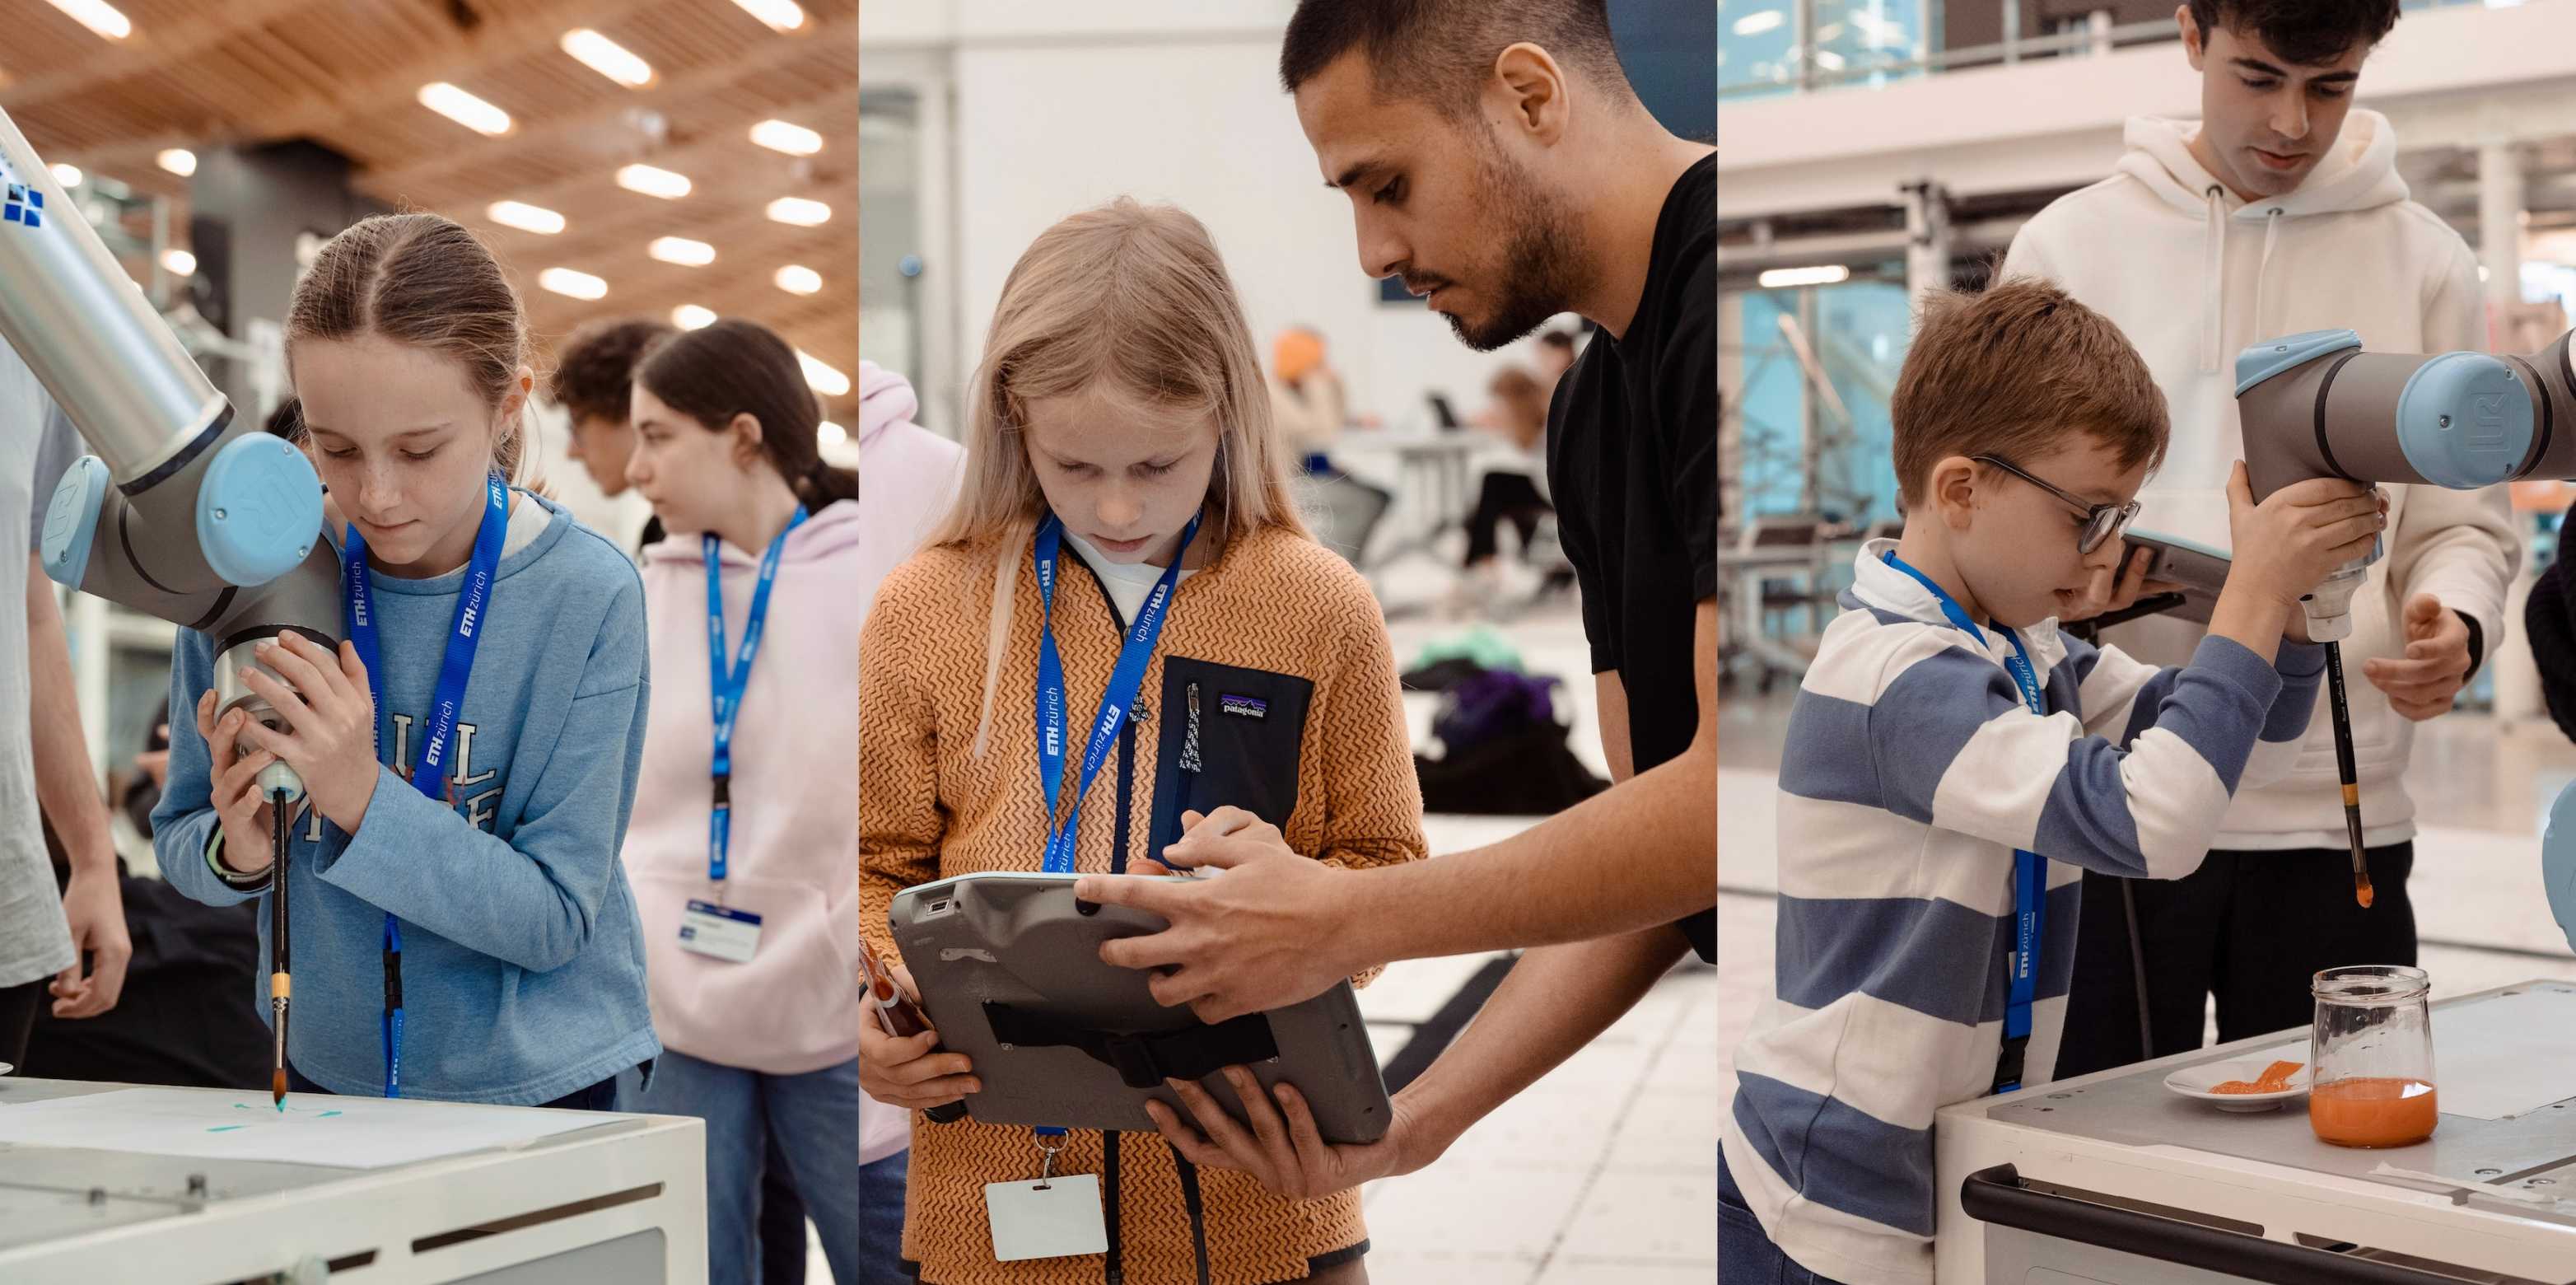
[(724, 790), (2008, 1064)]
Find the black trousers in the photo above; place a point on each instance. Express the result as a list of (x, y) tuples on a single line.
[(1503, 497), (2252, 928)]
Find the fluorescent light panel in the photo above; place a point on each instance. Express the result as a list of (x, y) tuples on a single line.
[(465, 109), (682, 251), (653, 182), (780, 15), (525, 217), (822, 377), (607, 57), (800, 212), (1785, 278), (779, 136), (97, 15), (579, 285)]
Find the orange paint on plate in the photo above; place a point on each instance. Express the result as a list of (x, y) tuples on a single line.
[(2374, 1112), (2274, 1079)]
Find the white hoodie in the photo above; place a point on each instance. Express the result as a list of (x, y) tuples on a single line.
[(2193, 276)]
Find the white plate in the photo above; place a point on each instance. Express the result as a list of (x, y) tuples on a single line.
[(2196, 1081)]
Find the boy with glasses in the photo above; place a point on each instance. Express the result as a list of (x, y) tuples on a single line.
[(1949, 749)]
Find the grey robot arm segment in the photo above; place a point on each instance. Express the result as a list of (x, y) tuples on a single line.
[(186, 512)]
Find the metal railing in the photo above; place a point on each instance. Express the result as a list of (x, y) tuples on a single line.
[(1807, 66)]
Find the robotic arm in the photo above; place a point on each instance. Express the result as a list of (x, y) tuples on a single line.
[(185, 512), (2316, 405)]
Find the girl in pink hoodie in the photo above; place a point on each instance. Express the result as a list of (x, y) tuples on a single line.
[(742, 850)]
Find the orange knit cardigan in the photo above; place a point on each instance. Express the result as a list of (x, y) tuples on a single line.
[(929, 808)]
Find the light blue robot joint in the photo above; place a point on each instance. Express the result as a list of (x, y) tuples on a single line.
[(71, 520), (259, 510), (2465, 420)]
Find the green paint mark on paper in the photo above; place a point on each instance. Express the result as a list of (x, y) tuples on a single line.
[(328, 1114), (223, 1128)]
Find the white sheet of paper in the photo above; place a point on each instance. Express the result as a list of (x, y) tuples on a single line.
[(2505, 1055), (315, 1129)]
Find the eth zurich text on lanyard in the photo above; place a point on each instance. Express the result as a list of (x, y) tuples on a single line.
[(2030, 895), (728, 689), (473, 612), (1124, 682)]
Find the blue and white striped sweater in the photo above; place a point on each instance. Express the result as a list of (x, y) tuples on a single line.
[(1911, 772)]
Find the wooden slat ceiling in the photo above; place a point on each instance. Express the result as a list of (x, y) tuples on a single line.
[(345, 74)]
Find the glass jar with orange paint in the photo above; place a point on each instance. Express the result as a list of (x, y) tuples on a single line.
[(2371, 1055)]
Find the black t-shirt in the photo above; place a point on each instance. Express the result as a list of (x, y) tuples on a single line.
[(1632, 460)]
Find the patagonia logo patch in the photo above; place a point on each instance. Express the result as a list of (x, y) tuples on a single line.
[(1243, 706)]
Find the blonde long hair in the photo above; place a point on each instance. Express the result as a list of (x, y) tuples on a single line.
[(1133, 297)]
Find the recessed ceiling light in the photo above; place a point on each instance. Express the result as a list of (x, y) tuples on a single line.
[(800, 212), (682, 251), (823, 378), (579, 285), (525, 217), (177, 160), (68, 175), (464, 108), (98, 16), (607, 57), (779, 136), (797, 279), (180, 262), (689, 316), (781, 15), (832, 434), (1785, 278), (653, 182)]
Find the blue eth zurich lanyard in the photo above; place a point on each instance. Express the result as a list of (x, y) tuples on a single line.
[(1124, 682), (2030, 898), (728, 689), (473, 613)]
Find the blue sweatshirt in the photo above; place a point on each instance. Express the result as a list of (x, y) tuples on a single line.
[(523, 961)]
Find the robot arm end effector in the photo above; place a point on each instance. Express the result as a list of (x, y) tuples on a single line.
[(2317, 405)]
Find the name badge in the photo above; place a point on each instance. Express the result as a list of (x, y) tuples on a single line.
[(719, 932), (1048, 1218)]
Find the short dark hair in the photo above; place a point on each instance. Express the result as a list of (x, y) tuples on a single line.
[(2308, 32), (1442, 50), (2010, 372), (1558, 339), (595, 374)]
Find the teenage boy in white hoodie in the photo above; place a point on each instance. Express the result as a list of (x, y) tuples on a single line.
[(2281, 210)]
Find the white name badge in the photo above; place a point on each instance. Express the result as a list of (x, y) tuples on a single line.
[(719, 932), (1056, 1218)]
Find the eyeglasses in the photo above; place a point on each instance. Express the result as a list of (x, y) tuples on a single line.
[(2101, 521)]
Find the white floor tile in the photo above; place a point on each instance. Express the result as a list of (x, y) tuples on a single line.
[(1431, 1268), (1501, 1212), (1668, 1131), (1599, 1271), (1657, 1216)]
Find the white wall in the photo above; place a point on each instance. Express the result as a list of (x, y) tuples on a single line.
[(1112, 100)]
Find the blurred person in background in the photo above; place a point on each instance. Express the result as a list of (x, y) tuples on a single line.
[(762, 1045), (593, 379)]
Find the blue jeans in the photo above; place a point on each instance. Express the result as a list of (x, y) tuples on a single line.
[(881, 1221), (1745, 1254), (814, 1117)]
